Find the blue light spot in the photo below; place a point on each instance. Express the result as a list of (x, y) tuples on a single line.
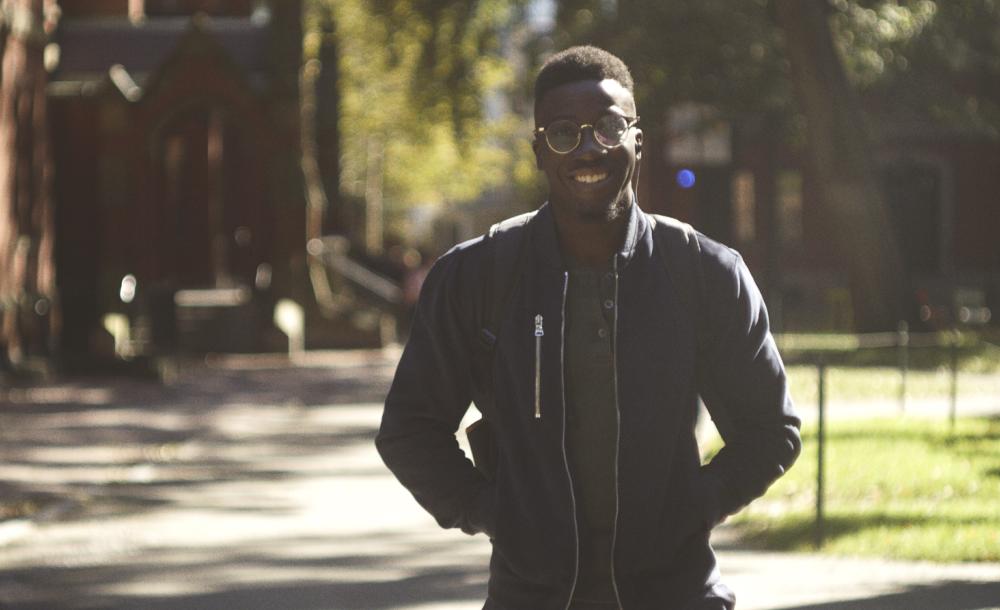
[(685, 178)]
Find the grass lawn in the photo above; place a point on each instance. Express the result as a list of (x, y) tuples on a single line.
[(898, 488), (853, 383), (860, 374)]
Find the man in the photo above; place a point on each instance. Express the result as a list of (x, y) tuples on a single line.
[(598, 498)]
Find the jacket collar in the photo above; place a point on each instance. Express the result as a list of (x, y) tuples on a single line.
[(546, 240), (633, 232)]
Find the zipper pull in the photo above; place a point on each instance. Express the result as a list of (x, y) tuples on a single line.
[(539, 333)]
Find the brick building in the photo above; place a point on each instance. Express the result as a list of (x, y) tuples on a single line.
[(175, 151), (751, 190)]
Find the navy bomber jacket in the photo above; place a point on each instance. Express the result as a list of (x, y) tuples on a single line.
[(667, 501)]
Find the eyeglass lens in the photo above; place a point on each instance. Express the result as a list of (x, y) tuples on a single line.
[(564, 135)]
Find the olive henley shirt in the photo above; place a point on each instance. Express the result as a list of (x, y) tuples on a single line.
[(592, 424)]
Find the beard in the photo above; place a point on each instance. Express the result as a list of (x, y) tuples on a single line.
[(609, 212)]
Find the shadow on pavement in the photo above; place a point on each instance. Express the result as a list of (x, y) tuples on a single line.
[(285, 573), (224, 381), (797, 532), (431, 587), (135, 457), (244, 484), (941, 596)]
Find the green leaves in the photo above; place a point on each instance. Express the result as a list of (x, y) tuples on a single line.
[(429, 81), (939, 60), (414, 77), (873, 40)]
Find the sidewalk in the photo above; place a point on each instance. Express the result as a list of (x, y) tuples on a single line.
[(253, 484)]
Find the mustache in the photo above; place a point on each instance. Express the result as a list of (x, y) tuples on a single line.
[(591, 166)]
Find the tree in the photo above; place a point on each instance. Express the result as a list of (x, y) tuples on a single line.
[(937, 61), (842, 161), (413, 79), (27, 268), (724, 53)]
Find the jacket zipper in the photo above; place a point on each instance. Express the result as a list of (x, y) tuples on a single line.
[(569, 475), (618, 435), (539, 333)]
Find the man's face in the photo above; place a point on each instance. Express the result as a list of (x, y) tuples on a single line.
[(591, 183)]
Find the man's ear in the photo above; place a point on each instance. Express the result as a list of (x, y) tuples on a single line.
[(638, 144), (536, 146)]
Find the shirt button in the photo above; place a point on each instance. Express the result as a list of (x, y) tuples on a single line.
[(609, 304), (602, 333)]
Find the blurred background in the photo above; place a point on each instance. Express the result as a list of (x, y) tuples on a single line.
[(173, 169)]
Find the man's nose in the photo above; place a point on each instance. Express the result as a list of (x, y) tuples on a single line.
[(589, 146)]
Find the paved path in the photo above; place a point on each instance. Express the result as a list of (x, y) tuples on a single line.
[(252, 484)]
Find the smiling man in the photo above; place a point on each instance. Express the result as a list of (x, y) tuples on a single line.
[(584, 332)]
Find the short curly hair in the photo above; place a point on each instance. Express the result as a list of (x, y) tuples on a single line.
[(580, 63)]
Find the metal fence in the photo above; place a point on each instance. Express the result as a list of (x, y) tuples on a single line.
[(819, 350)]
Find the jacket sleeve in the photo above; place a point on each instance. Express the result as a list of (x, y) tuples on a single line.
[(742, 382), (429, 395)]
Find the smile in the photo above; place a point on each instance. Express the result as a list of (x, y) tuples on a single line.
[(590, 178)]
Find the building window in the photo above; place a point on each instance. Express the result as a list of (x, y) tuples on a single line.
[(744, 207), (790, 206)]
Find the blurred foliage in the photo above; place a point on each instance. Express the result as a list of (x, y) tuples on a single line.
[(722, 52), (418, 77), (872, 37), (413, 76), (936, 60)]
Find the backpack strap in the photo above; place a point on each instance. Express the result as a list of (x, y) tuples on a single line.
[(504, 240), (680, 251)]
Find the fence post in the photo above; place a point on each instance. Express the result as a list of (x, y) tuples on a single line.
[(903, 342), (953, 408), (820, 452)]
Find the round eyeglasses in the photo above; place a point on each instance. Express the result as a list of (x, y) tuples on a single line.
[(563, 135)]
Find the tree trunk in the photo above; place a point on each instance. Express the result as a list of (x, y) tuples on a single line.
[(328, 126), (27, 225), (843, 162)]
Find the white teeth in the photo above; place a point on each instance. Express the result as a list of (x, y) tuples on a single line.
[(590, 178)]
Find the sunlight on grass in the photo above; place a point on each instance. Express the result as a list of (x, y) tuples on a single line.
[(905, 489), (877, 383)]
